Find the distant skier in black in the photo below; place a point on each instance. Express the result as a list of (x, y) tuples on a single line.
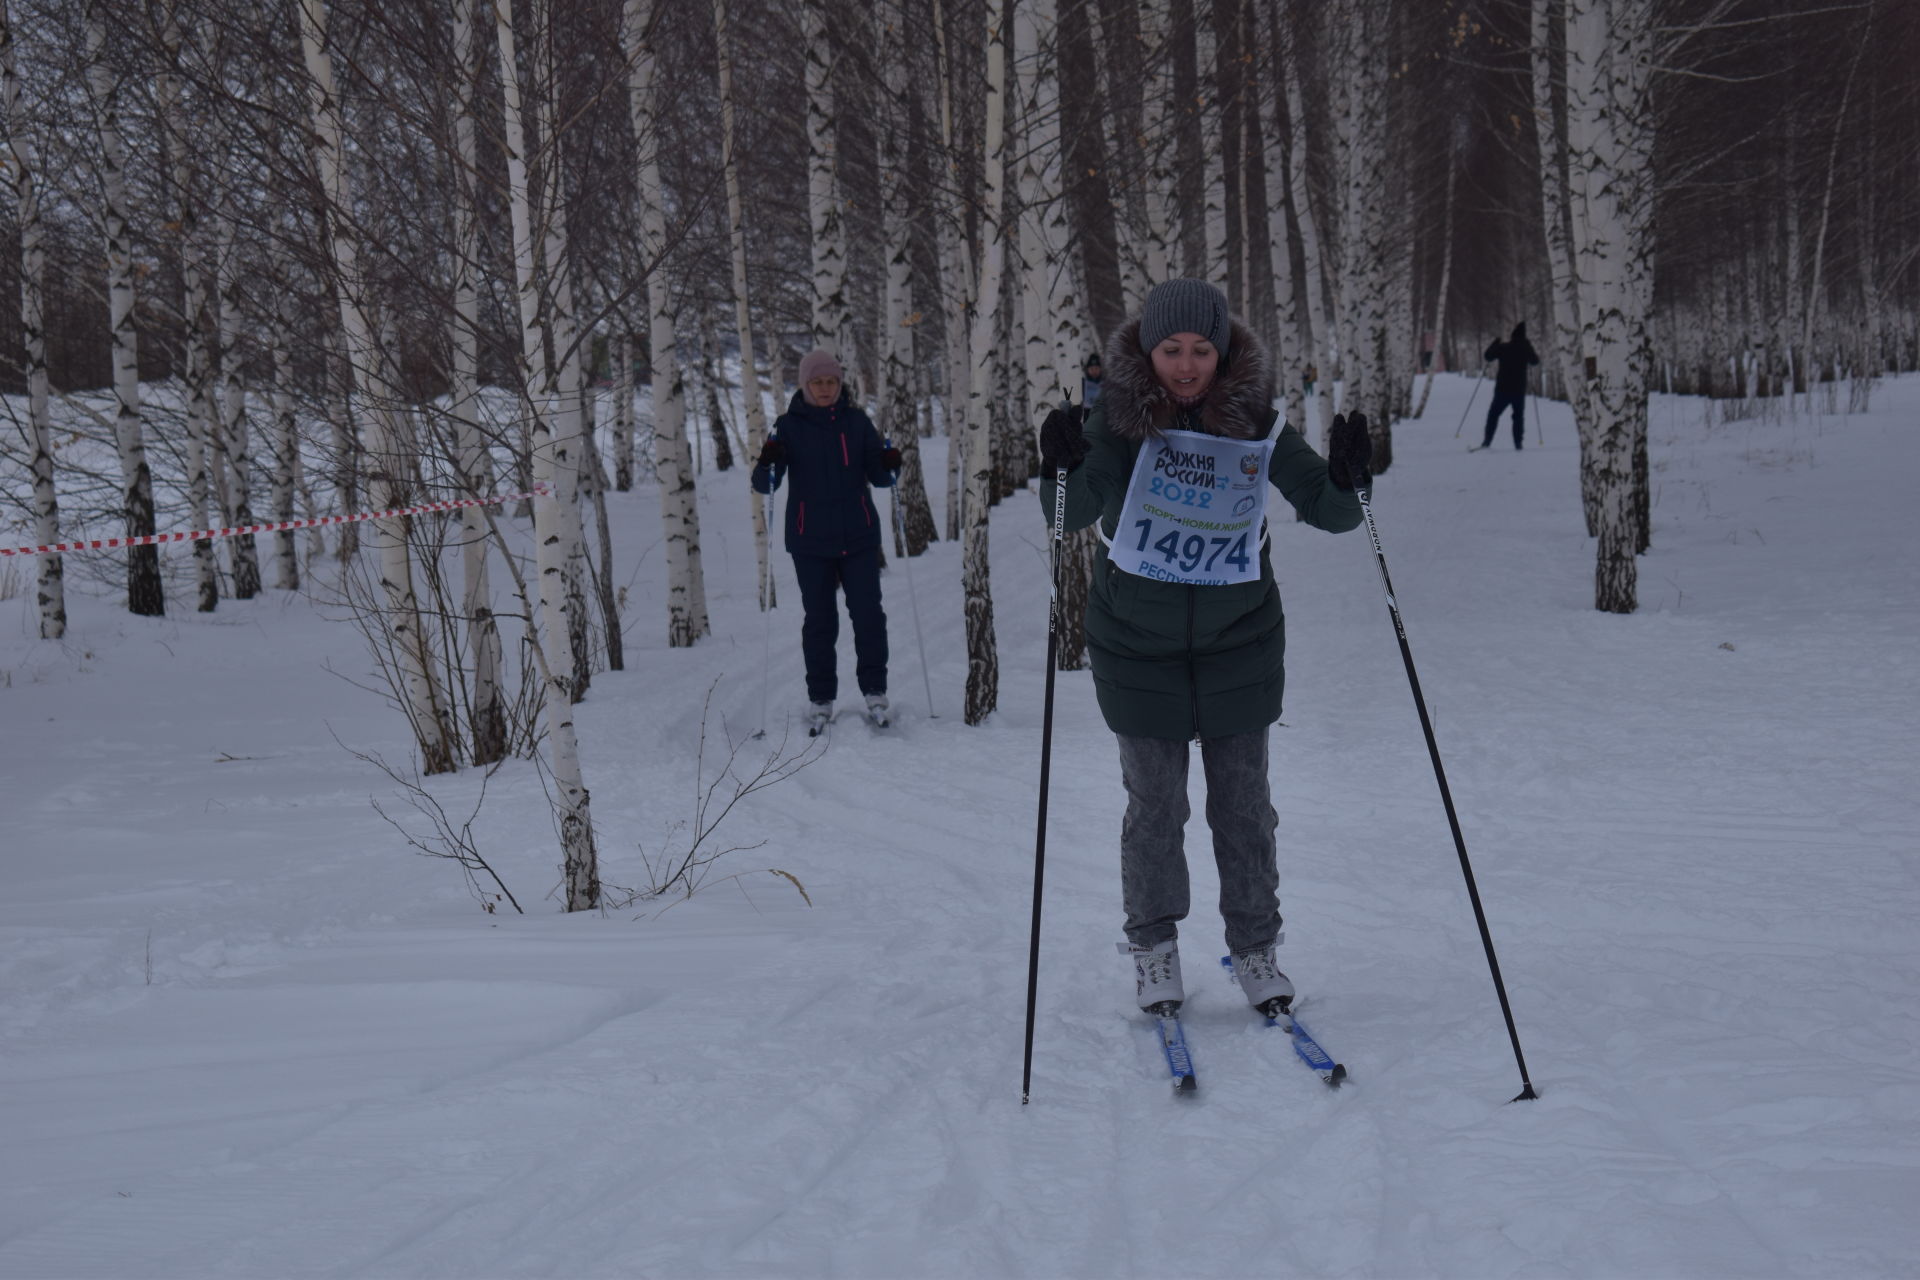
[(1510, 382)]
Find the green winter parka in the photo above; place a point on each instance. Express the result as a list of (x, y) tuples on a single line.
[(1172, 660)]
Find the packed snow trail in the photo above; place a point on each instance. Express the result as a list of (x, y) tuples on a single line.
[(245, 1031)]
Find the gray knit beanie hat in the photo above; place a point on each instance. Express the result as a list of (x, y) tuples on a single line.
[(1185, 306)]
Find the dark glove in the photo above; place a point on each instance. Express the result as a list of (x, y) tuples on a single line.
[(772, 453), (890, 458), (1063, 445), (1349, 451)]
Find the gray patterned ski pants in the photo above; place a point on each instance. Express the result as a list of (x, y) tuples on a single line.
[(1153, 862)]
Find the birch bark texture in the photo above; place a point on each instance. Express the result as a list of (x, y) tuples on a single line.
[(1293, 347), (899, 415), (742, 312), (146, 593), (370, 402), (1609, 171), (832, 309), (472, 465), (983, 661), (579, 865), (673, 458), (51, 592), (196, 376)]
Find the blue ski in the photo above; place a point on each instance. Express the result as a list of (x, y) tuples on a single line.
[(1308, 1049), (1173, 1043)]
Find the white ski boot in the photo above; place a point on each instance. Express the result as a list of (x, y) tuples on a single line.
[(1156, 975), (1267, 989), (877, 710), (819, 716)]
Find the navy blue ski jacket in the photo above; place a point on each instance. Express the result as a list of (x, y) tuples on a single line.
[(832, 455)]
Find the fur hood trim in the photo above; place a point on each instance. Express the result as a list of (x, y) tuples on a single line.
[(1238, 404)]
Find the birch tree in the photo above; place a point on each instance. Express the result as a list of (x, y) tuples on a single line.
[(1292, 346), (235, 430), (474, 468), (1157, 139), (1609, 161), (673, 461), (146, 594), (1557, 222), (1322, 347), (898, 415), (956, 277), (566, 369), (51, 595), (832, 310), (983, 662), (371, 402), (580, 868), (742, 313), (196, 313), (1213, 201)]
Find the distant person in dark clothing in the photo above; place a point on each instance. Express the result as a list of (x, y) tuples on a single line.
[(829, 449), (1090, 375), (1510, 382)]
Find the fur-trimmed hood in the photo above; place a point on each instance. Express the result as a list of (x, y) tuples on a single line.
[(1238, 404)]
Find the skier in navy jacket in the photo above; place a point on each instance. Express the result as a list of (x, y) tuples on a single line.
[(832, 453)]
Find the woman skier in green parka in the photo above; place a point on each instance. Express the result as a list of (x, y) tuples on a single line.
[(1179, 656)]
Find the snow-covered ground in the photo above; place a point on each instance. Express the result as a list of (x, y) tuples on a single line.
[(246, 1031)]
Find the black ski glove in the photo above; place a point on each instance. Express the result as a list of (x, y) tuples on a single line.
[(1062, 442), (890, 458), (772, 453), (1349, 451)]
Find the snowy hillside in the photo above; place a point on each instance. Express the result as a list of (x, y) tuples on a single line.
[(245, 1031)]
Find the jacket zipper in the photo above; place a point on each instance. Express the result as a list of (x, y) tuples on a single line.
[(1193, 674)]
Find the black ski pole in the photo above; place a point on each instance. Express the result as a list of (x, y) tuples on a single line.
[(1046, 760), (1364, 493), (1470, 395)]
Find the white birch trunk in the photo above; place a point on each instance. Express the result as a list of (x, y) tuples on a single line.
[(1364, 249), (1293, 348), (1609, 158), (673, 462), (235, 431), (913, 527), (51, 598), (742, 313), (474, 467), (983, 662), (957, 284), (832, 310), (409, 643), (146, 594), (579, 860), (1322, 349), (568, 369), (1563, 284), (286, 479), (1120, 126), (1438, 331), (1213, 206), (1157, 139), (198, 322)]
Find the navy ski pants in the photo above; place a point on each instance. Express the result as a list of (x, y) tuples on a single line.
[(1501, 399), (821, 580)]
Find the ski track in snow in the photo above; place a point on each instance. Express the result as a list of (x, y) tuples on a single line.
[(244, 1031)]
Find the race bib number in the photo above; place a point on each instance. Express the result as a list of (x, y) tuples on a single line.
[(1195, 510)]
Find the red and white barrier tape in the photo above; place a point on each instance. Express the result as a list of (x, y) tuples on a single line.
[(102, 544)]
